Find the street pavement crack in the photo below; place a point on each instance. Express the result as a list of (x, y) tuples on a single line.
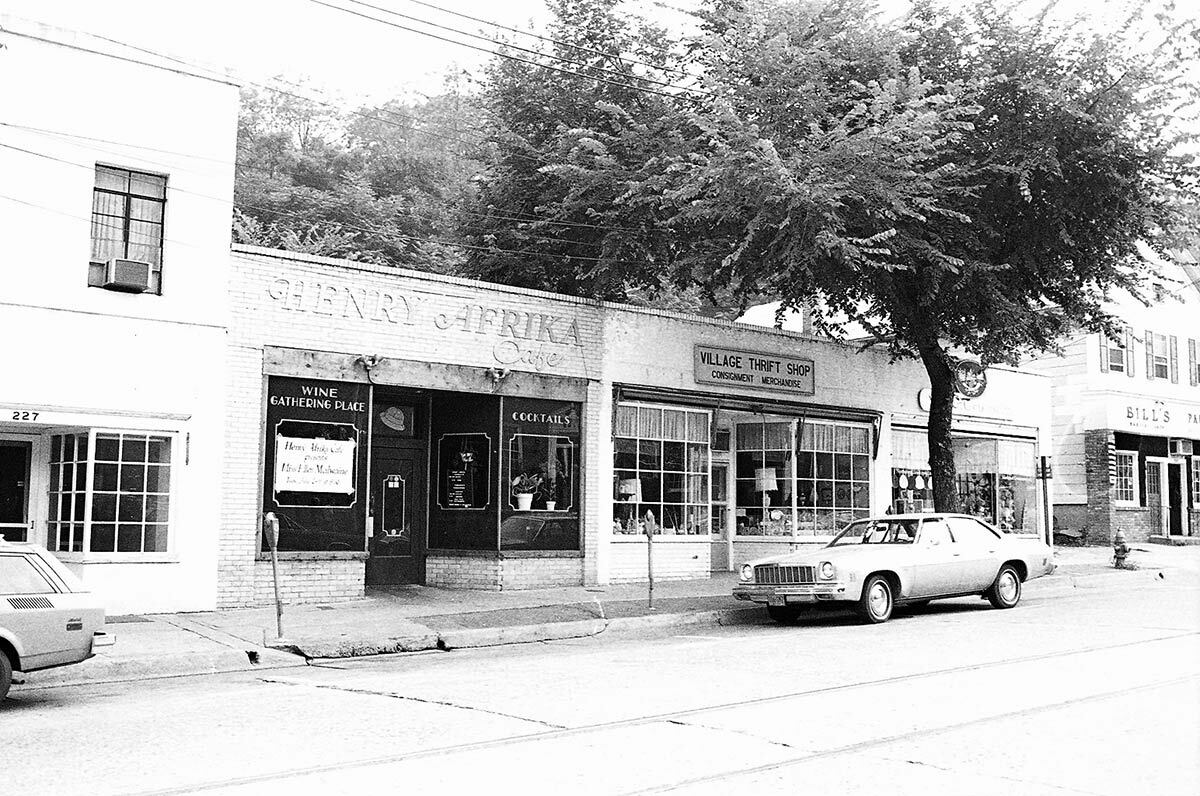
[(394, 695), (755, 736), (1001, 777)]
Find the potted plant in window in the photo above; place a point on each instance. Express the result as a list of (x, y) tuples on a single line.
[(550, 490), (524, 487)]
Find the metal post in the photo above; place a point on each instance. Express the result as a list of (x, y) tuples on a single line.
[(271, 532), (1044, 474), (650, 525)]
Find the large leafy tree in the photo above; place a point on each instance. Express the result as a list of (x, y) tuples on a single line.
[(965, 183), (380, 184), (573, 125)]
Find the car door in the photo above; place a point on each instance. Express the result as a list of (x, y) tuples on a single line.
[(30, 613), (936, 568), (979, 552)]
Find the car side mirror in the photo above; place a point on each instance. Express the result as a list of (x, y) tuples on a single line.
[(933, 541)]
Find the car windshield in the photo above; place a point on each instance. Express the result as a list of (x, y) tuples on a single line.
[(877, 532)]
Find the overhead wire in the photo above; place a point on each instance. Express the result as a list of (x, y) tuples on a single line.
[(343, 224), (498, 54), (254, 167), (510, 45), (549, 39)]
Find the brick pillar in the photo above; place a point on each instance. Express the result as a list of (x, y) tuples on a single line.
[(1100, 514)]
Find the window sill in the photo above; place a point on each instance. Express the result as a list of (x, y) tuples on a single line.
[(784, 539), (315, 555), (540, 554), (1128, 507), (117, 558), (670, 538)]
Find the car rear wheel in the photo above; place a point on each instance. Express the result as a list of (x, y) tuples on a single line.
[(1005, 591), (785, 614), (876, 603), (5, 675)]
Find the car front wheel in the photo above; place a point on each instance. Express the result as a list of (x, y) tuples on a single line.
[(5, 675), (1005, 591), (876, 603)]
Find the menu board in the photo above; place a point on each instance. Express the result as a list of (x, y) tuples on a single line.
[(464, 466)]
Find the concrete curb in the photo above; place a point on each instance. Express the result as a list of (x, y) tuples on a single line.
[(106, 670), (349, 647), (466, 638)]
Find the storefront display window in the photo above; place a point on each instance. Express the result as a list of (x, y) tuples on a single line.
[(661, 470), (995, 478), (125, 477), (541, 473), (813, 488), (314, 475)]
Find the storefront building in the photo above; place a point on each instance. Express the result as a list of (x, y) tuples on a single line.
[(1126, 422), (113, 313), (406, 427)]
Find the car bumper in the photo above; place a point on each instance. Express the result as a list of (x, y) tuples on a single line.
[(792, 593)]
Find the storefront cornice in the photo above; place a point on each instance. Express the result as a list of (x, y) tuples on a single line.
[(396, 372)]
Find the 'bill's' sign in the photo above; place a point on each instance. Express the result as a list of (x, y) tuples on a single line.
[(733, 368)]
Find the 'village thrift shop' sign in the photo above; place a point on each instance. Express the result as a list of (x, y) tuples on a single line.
[(733, 368)]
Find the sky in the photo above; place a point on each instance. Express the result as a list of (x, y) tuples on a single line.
[(334, 51), (339, 54)]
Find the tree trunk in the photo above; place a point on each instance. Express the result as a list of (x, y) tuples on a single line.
[(941, 417)]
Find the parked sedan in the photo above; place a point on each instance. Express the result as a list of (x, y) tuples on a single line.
[(47, 617), (877, 564)]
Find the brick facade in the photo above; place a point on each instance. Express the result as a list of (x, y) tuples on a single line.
[(295, 315)]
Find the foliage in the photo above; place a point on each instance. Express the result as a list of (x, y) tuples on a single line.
[(572, 139), (379, 185), (962, 182)]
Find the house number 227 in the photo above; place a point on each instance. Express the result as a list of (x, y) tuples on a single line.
[(26, 415)]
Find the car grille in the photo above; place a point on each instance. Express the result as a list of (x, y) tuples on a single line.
[(772, 574), (30, 602)]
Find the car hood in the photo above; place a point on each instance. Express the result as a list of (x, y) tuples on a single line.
[(839, 554)]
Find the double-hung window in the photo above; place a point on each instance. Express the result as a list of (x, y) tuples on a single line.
[(1116, 354), (1161, 356), (1125, 491), (128, 208)]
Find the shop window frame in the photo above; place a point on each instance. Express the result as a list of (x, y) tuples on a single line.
[(694, 419), (83, 553), (1133, 478)]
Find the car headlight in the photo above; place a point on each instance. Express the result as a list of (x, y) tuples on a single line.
[(747, 572), (827, 570)]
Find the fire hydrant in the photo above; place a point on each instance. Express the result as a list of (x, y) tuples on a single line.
[(1120, 550)]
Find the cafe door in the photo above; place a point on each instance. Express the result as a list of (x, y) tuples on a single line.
[(15, 457), (399, 486)]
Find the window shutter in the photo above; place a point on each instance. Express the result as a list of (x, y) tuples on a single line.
[(1103, 353), (1192, 375), (1129, 360), (1173, 368), (1150, 355)]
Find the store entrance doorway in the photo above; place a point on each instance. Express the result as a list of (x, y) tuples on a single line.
[(1175, 499), (15, 458), (399, 488)]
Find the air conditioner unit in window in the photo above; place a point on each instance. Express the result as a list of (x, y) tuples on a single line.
[(1180, 447), (130, 276)]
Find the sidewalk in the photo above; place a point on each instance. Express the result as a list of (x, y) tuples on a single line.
[(415, 618)]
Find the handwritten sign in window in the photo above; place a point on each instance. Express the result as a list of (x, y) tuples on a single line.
[(314, 465)]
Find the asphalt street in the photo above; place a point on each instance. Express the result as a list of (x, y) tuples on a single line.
[(1092, 692)]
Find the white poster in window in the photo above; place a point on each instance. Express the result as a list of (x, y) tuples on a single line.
[(314, 465)]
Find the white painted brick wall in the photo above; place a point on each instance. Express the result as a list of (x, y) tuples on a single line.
[(672, 561)]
